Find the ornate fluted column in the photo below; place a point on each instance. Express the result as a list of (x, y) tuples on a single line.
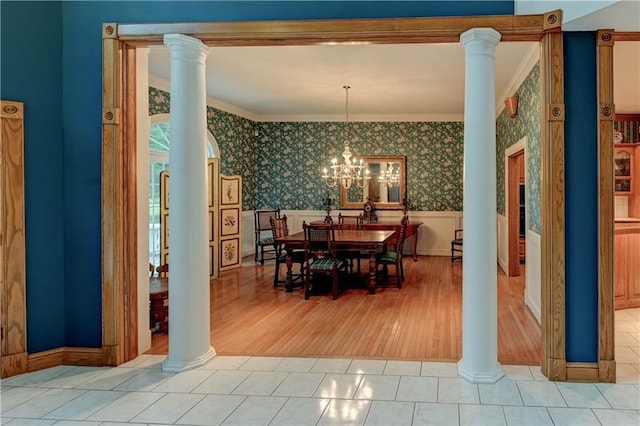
[(479, 363), (189, 309)]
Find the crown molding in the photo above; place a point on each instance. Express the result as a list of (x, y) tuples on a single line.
[(381, 118)]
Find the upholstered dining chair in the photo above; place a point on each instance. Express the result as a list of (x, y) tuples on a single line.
[(320, 256), (393, 256), (263, 235), (355, 223), (280, 229)]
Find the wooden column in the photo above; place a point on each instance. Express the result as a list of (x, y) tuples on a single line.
[(606, 116), (552, 209)]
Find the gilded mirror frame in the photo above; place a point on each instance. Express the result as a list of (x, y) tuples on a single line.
[(345, 204)]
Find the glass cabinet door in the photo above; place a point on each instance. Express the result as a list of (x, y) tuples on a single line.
[(622, 171)]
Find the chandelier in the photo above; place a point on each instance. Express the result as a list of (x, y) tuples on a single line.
[(348, 172), (391, 176)]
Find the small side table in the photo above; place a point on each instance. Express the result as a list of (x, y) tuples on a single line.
[(159, 304)]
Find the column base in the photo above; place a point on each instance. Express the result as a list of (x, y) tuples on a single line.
[(177, 367), (486, 377)]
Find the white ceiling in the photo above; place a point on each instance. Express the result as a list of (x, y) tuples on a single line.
[(410, 82)]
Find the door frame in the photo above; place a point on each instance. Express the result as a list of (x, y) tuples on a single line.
[(119, 234), (606, 39), (512, 205)]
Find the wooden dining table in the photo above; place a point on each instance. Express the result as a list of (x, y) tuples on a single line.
[(361, 240)]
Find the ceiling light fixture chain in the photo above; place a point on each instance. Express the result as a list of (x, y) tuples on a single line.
[(349, 172)]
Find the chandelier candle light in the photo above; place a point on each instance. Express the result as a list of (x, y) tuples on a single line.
[(349, 172), (391, 177)]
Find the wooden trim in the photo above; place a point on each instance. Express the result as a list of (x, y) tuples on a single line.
[(627, 117), (45, 359), (13, 304), (513, 213), (627, 36), (64, 356), (388, 30), (552, 207), (82, 356), (116, 211), (606, 116), (14, 364), (582, 371), (114, 217), (130, 287), (607, 371)]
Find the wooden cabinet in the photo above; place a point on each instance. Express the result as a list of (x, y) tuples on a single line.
[(623, 169), (627, 267), (628, 128)]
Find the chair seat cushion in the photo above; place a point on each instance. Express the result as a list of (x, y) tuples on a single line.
[(388, 256), (457, 241), (326, 264), (266, 241)]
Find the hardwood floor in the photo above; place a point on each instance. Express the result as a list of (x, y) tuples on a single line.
[(421, 321)]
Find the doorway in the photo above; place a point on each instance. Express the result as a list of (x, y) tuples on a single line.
[(516, 190), (116, 210)]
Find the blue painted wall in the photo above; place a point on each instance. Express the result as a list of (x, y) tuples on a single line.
[(51, 60), (31, 72), (581, 189), (80, 97)]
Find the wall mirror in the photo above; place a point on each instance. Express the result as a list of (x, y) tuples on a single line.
[(387, 187)]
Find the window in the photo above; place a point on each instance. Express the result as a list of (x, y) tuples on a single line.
[(159, 144)]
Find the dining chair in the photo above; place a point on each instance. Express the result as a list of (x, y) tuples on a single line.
[(280, 229), (320, 256), (456, 245), (152, 269), (263, 235), (163, 270), (354, 223), (392, 256)]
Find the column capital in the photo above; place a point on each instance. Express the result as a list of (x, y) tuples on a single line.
[(186, 47), (488, 38)]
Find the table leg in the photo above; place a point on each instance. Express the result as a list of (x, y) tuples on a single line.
[(288, 285), (415, 246), (372, 272)]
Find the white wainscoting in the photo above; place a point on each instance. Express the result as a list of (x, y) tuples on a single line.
[(533, 283), (532, 289), (434, 235)]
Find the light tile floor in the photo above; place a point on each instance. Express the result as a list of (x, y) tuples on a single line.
[(309, 391)]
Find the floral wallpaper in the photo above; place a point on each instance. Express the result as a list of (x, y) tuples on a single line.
[(236, 142), (511, 130), (291, 156), (281, 166)]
